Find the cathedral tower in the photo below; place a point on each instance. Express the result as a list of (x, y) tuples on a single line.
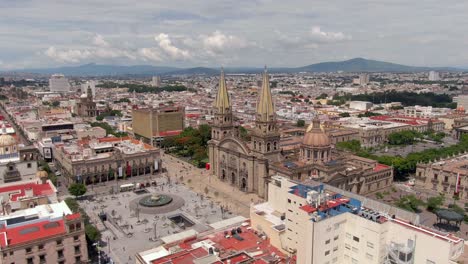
[(265, 135), (222, 111)]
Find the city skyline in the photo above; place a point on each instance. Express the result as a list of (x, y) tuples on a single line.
[(182, 34)]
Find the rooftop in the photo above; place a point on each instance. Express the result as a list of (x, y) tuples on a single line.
[(17, 191), (236, 245)]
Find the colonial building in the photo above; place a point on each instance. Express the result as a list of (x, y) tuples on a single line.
[(248, 164), (106, 159), (86, 107), (449, 176), (16, 163)]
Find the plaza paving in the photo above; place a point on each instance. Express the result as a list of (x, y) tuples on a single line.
[(130, 230)]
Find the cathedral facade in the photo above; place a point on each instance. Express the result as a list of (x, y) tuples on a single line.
[(249, 164)]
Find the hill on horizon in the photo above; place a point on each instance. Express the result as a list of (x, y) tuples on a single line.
[(352, 65)]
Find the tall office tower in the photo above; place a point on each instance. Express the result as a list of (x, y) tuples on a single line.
[(434, 76), (156, 81), (58, 83)]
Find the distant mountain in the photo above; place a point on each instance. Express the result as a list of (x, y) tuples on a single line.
[(93, 69), (353, 65), (364, 65)]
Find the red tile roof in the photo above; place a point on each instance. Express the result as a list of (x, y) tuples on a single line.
[(27, 233), (38, 189), (380, 167)]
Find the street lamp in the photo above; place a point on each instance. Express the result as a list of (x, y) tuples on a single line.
[(99, 252)]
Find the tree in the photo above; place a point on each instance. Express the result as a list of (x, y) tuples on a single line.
[(92, 233), (410, 203), (345, 114), (77, 189), (434, 203), (72, 204), (55, 103), (300, 123)]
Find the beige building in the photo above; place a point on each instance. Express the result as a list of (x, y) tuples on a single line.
[(86, 107), (153, 124), (45, 234), (323, 224), (106, 159), (441, 176)]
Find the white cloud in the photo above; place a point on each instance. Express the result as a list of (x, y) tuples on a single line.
[(68, 55), (218, 42), (150, 54), (99, 41), (172, 51), (317, 34)]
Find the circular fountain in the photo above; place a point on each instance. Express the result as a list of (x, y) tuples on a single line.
[(155, 200)]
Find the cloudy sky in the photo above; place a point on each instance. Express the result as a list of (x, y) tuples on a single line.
[(49, 33)]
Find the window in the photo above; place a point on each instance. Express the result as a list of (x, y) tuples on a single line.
[(59, 242), (335, 238), (5, 254), (327, 252), (370, 245), (335, 248), (60, 253), (428, 261), (40, 247), (355, 250), (327, 242), (29, 165), (30, 260), (76, 238), (289, 200), (28, 250), (446, 179), (354, 261), (369, 256), (347, 246), (355, 238), (77, 250), (77, 259), (42, 259)]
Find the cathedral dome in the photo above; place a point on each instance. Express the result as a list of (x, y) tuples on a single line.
[(314, 136), (7, 140)]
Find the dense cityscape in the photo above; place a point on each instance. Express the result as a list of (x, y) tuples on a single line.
[(341, 161)]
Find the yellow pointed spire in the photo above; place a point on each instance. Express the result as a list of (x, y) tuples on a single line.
[(265, 107), (221, 103)]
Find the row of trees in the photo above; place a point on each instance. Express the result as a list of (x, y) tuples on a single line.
[(406, 98), (109, 129), (409, 137), (142, 88), (191, 143), (405, 166)]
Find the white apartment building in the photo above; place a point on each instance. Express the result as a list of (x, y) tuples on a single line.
[(360, 105), (322, 224), (58, 83), (156, 81), (434, 76)]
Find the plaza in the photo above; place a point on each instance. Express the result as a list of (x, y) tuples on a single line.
[(131, 227)]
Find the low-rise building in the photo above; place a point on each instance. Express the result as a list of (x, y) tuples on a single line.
[(48, 233), (445, 176), (105, 159)]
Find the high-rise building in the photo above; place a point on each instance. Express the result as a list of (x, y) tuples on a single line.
[(324, 224), (58, 83), (153, 124), (156, 81), (434, 76), (363, 79)]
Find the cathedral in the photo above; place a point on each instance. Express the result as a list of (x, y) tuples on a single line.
[(249, 164)]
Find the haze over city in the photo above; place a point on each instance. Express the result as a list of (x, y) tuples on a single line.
[(233, 132), (48, 33)]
